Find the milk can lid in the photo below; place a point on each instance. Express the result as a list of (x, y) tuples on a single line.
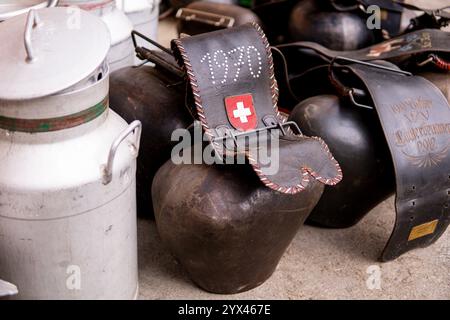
[(49, 50)]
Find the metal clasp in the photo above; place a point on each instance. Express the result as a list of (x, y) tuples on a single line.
[(270, 123)]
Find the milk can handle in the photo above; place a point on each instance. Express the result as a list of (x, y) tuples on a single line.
[(32, 22), (136, 127)]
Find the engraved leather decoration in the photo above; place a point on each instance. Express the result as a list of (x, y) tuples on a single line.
[(415, 117), (234, 88)]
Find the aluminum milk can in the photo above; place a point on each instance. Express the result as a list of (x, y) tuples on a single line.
[(121, 53), (13, 8), (144, 15), (68, 163)]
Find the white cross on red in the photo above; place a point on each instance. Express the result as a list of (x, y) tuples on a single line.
[(242, 112)]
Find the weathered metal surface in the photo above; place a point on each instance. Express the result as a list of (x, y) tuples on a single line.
[(313, 20), (122, 51), (67, 192), (356, 140), (157, 98), (223, 225), (54, 124), (38, 61)]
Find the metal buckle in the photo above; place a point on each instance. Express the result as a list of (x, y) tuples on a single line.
[(213, 19), (271, 123)]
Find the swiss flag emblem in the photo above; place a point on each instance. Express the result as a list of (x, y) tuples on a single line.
[(241, 112)]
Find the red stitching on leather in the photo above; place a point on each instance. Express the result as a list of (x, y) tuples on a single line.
[(441, 63), (275, 94)]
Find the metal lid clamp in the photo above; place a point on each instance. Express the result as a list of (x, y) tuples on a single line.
[(160, 59), (225, 133)]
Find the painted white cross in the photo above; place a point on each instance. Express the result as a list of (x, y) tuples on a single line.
[(242, 112)]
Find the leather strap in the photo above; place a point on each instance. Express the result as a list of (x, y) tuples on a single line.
[(235, 93), (415, 117), (420, 42)]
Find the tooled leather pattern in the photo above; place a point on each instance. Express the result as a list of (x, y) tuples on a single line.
[(415, 117)]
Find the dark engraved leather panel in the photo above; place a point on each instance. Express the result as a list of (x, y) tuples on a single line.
[(415, 117), (235, 92)]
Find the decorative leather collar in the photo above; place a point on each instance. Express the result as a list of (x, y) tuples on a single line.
[(235, 93), (415, 118)]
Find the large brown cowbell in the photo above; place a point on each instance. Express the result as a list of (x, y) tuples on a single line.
[(223, 225)]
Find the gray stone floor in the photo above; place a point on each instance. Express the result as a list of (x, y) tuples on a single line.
[(319, 264)]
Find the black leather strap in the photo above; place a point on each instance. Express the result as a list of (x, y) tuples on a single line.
[(235, 93), (415, 117), (419, 42)]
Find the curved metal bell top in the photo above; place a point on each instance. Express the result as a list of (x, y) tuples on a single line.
[(49, 50)]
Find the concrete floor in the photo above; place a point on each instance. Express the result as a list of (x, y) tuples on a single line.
[(320, 263)]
